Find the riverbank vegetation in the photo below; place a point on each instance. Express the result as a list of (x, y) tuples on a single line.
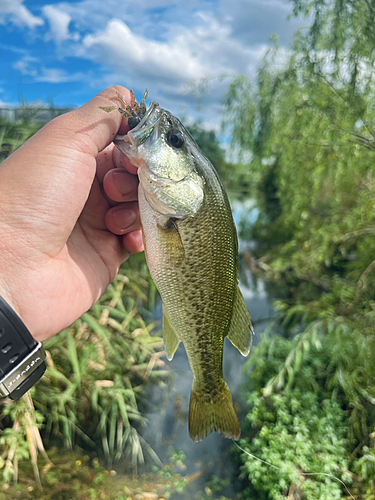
[(309, 122)]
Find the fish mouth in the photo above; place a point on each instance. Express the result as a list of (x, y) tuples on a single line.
[(148, 123)]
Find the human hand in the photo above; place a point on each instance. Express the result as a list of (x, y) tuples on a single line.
[(62, 239)]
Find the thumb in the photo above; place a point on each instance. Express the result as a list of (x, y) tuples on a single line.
[(47, 181)]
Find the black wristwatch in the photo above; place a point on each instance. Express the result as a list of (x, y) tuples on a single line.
[(21, 356)]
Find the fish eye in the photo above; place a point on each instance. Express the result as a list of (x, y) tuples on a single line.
[(175, 138)]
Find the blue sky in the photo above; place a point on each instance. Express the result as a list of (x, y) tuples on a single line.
[(69, 51)]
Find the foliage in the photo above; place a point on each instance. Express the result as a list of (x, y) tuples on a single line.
[(308, 121), (342, 32), (27, 120), (300, 429), (13, 135), (107, 356), (213, 489), (365, 468), (22, 441), (173, 481)]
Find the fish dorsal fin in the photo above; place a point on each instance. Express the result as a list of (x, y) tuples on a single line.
[(240, 330), (171, 340)]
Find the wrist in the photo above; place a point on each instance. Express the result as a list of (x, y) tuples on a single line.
[(11, 290), (13, 278), (6, 292)]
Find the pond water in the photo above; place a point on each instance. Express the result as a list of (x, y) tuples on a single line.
[(168, 417)]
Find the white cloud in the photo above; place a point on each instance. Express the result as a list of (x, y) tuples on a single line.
[(56, 75), (92, 15), (256, 20), (30, 66), (4, 104), (173, 68), (52, 75), (18, 14), (119, 46), (24, 66), (206, 51), (164, 44), (59, 22)]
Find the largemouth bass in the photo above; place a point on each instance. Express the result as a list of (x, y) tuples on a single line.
[(192, 252)]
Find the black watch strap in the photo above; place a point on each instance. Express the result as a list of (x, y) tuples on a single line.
[(21, 356)]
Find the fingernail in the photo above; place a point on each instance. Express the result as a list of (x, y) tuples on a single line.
[(122, 182), (124, 217), (138, 240)]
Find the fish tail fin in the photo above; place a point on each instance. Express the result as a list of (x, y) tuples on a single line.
[(212, 411)]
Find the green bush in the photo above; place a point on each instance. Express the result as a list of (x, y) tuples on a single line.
[(298, 427)]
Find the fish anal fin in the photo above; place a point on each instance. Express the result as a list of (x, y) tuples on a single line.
[(241, 330), (208, 412), (171, 340)]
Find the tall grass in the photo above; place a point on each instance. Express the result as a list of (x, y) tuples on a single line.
[(13, 135), (97, 370)]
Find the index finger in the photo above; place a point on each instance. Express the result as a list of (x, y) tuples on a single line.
[(61, 161), (99, 126)]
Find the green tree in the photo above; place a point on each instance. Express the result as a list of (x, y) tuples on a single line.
[(343, 32), (309, 123)]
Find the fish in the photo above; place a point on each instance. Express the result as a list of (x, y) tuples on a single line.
[(191, 249)]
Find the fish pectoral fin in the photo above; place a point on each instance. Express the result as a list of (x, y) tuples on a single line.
[(241, 330), (171, 340), (176, 251)]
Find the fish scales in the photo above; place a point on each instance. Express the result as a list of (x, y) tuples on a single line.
[(205, 280), (192, 253)]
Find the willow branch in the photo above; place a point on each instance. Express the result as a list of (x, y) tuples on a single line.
[(255, 264), (354, 234), (362, 286)]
